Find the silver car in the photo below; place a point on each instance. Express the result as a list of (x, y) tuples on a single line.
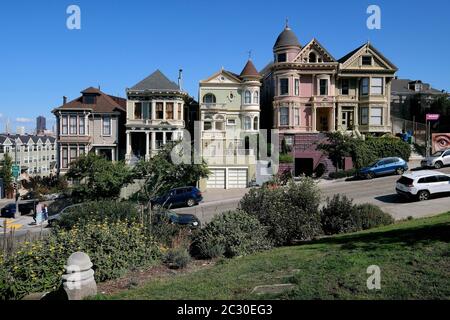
[(437, 160)]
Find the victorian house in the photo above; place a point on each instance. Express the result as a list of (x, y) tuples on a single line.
[(230, 117), (94, 122), (155, 116), (307, 92)]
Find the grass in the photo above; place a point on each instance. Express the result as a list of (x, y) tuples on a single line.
[(414, 257)]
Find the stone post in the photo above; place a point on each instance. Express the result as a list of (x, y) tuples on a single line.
[(79, 282)]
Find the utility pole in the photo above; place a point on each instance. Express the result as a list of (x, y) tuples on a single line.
[(15, 180)]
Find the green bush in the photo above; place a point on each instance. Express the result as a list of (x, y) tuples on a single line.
[(372, 149), (286, 158), (290, 213), (98, 211), (177, 258), (230, 234), (113, 248), (342, 174), (340, 215)]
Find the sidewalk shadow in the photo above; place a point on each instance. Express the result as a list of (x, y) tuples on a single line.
[(392, 198)]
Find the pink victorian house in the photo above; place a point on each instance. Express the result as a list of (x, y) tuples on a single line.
[(306, 92)]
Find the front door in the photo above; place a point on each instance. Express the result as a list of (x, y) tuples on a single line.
[(347, 119)]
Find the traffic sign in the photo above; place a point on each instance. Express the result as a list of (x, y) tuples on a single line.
[(15, 170), (432, 117)]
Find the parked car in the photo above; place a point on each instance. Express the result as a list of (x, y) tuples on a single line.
[(437, 160), (9, 211), (422, 184), (180, 219), (56, 217), (189, 196), (384, 166)]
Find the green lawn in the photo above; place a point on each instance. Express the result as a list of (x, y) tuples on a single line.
[(414, 258)]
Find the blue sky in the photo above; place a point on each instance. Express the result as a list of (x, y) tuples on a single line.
[(121, 42)]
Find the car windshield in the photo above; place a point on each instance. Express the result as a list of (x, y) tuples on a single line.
[(373, 164), (437, 154)]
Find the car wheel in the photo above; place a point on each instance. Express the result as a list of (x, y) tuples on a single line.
[(438, 165), (423, 195), (190, 202), (400, 171), (370, 175)]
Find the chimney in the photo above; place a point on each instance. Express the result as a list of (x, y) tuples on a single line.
[(180, 79), (64, 100)]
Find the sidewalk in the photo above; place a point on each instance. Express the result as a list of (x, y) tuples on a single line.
[(22, 223), (217, 195)]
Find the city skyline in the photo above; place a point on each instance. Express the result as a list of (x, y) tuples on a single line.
[(57, 64)]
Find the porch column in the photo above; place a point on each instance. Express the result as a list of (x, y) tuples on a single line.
[(164, 138), (153, 142), (339, 118), (356, 118), (313, 118), (113, 154), (333, 119), (164, 110), (147, 145), (153, 110), (129, 143)]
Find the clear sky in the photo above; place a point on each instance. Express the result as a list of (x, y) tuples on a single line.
[(121, 42)]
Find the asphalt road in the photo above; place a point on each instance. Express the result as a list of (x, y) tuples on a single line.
[(379, 191)]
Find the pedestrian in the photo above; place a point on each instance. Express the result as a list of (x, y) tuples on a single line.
[(38, 213), (45, 212)]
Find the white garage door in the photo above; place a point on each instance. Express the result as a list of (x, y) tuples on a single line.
[(237, 178), (216, 179)]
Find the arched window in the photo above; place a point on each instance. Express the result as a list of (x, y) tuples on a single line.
[(248, 97), (209, 98), (256, 124), (256, 97), (312, 57), (247, 123)]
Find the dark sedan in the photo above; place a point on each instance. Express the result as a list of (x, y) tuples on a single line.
[(180, 219)]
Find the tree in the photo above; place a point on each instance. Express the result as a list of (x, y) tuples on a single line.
[(6, 171), (338, 147), (98, 178), (160, 174)]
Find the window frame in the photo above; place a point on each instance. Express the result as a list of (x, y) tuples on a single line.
[(321, 87), (365, 64), (345, 92), (379, 86), (285, 86), (247, 97), (372, 116), (106, 120), (73, 125), (284, 118), (364, 118), (297, 86), (365, 84)]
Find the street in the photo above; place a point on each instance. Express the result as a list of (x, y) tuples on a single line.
[(379, 191)]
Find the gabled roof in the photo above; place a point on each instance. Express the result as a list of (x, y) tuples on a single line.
[(367, 46), (401, 86), (104, 103), (157, 81), (314, 42), (249, 70), (233, 76), (26, 139)]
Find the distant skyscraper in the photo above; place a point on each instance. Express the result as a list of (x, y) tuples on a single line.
[(40, 125), (20, 130)]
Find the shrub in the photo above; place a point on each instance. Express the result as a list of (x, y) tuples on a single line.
[(113, 248), (231, 234), (290, 213), (340, 215), (286, 158), (342, 174), (99, 211), (177, 258)]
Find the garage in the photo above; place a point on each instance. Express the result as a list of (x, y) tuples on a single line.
[(237, 178), (216, 179)]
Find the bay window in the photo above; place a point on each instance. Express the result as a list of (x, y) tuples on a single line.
[(107, 126), (323, 84), (284, 116), (365, 86), (284, 87), (364, 116), (376, 86), (376, 116)]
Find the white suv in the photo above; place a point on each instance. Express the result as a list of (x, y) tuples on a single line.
[(437, 160), (422, 184)]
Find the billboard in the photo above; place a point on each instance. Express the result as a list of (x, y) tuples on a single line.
[(440, 141)]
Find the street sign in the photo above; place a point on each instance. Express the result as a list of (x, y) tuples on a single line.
[(432, 117), (15, 171)]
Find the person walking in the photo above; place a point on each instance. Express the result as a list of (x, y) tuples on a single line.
[(38, 213), (45, 211)]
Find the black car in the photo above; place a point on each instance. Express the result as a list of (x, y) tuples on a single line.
[(9, 211), (180, 219), (184, 196)]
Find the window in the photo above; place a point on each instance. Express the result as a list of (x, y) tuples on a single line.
[(248, 97), (89, 99), (231, 122), (159, 140), (180, 111), (376, 116), (64, 125), (323, 83), (284, 87), (345, 83), (282, 57), (65, 158), (73, 125), (297, 87), (247, 123), (297, 116), (376, 86), (312, 57), (159, 110), (256, 124), (289, 140), (432, 179), (366, 60), (256, 97), (364, 116), (107, 126), (443, 178), (169, 110), (207, 125), (138, 111), (209, 98), (365, 86), (73, 154), (81, 126), (284, 116)]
